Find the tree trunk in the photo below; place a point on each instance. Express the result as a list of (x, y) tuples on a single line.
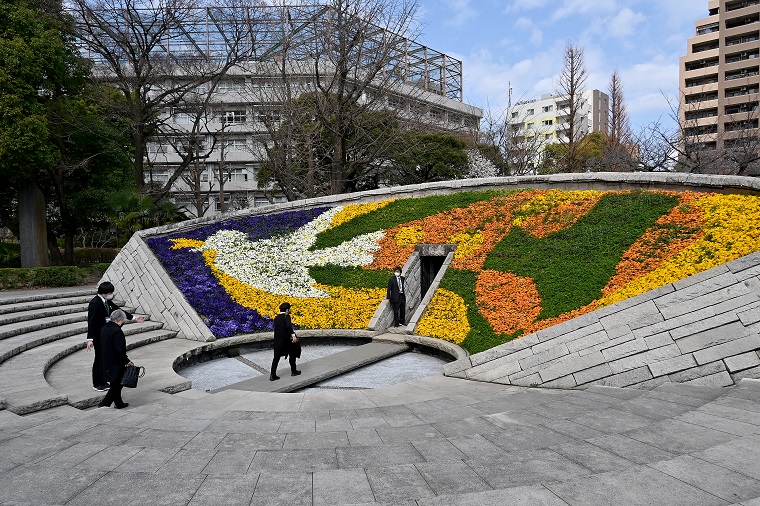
[(32, 226)]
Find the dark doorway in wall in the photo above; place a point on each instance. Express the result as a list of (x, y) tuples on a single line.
[(429, 265)]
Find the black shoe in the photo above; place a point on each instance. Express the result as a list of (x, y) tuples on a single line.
[(101, 405), (273, 377), (295, 373), (122, 406), (101, 388)]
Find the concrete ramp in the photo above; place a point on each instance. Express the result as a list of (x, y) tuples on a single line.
[(314, 371)]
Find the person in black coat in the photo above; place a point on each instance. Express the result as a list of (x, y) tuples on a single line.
[(396, 296), (100, 308), (285, 342), (114, 357)]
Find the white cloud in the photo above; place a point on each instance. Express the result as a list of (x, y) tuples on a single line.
[(583, 7), (462, 12), (624, 23)]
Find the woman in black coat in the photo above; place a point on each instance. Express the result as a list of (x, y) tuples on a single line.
[(114, 358), (285, 342)]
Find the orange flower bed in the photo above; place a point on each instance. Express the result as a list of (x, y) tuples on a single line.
[(492, 218), (669, 235), (509, 302)]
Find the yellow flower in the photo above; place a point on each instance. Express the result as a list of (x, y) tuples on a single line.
[(186, 243), (445, 317), (344, 309), (410, 236), (730, 231), (467, 244), (351, 211)]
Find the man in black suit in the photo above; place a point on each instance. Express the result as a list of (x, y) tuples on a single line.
[(285, 342), (98, 313), (396, 295), (114, 358)]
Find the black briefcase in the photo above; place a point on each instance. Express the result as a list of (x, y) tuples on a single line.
[(131, 374)]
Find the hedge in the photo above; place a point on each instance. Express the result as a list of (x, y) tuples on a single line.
[(48, 277)]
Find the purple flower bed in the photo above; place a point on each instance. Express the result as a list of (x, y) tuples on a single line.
[(201, 288)]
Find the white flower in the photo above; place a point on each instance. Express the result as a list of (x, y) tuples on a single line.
[(280, 265)]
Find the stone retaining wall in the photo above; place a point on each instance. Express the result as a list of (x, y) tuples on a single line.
[(703, 330), (143, 283)]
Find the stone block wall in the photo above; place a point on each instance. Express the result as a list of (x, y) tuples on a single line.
[(141, 280), (703, 330)]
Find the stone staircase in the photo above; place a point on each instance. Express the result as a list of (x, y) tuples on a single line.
[(37, 330)]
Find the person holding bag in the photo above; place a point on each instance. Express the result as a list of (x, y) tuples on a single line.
[(115, 359), (285, 342)]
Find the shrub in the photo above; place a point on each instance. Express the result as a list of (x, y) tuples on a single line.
[(10, 255), (40, 277)]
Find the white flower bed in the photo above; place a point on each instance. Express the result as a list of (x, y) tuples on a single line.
[(280, 265)]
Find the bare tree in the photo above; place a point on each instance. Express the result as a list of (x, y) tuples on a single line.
[(571, 85), (519, 150), (346, 84), (164, 57), (620, 150)]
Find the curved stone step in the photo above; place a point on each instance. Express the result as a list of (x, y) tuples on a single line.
[(23, 385), (71, 373), (42, 304), (36, 314), (12, 346)]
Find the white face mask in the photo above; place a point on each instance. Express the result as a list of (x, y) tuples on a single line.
[(398, 274), (109, 296)]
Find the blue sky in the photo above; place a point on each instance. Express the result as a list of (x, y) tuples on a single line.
[(521, 41)]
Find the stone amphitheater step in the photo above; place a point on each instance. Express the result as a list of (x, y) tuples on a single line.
[(23, 387), (13, 345), (23, 315), (8, 297), (6, 308), (71, 374)]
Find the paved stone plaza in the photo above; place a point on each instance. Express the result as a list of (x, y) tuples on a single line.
[(433, 442), (436, 441)]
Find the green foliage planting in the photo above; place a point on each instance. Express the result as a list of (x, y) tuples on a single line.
[(10, 255), (49, 277), (586, 253), (349, 277)]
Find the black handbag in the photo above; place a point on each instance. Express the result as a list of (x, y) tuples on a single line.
[(131, 374)]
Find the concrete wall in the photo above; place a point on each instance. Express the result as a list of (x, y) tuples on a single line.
[(142, 282), (703, 330)]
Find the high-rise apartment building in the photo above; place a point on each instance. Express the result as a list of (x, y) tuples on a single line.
[(545, 120), (719, 80)]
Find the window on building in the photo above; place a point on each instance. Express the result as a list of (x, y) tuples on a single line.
[(231, 86), (547, 122), (238, 175), (529, 125), (158, 176), (515, 115), (218, 204), (234, 144), (260, 201), (234, 117), (183, 118), (547, 108), (436, 114), (530, 111)]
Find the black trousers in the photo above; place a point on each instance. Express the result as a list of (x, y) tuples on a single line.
[(114, 393), (276, 360), (399, 310), (97, 365)]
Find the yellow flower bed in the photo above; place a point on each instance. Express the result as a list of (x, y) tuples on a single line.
[(445, 317), (549, 200), (730, 231), (467, 244), (344, 309), (351, 211), (409, 236), (186, 243)]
